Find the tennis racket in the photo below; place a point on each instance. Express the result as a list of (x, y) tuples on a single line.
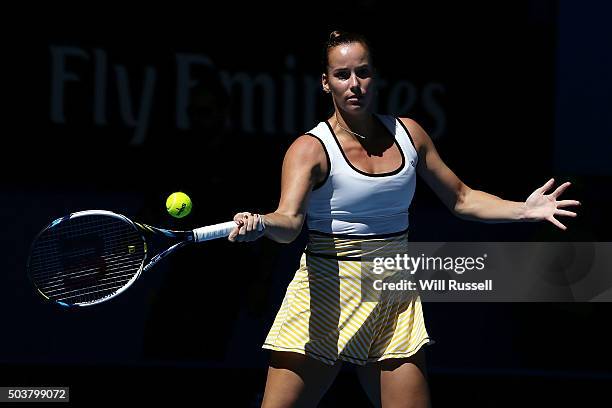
[(89, 257)]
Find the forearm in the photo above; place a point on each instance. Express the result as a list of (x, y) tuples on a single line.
[(477, 205), (282, 228)]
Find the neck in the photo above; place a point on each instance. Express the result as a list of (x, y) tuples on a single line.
[(361, 126)]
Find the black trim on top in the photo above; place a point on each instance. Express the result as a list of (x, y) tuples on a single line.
[(353, 236), (319, 185), (409, 135), (391, 173)]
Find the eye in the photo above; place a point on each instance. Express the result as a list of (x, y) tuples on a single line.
[(342, 75), (363, 72)]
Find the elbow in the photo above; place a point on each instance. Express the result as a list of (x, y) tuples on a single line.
[(287, 239), (295, 230), (461, 204), (287, 236), (285, 228)]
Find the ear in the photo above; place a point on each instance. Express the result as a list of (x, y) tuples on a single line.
[(325, 83)]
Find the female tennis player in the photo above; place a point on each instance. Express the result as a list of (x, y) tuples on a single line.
[(354, 177)]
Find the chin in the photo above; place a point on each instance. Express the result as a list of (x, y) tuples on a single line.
[(356, 108)]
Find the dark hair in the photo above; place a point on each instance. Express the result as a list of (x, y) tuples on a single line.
[(339, 37)]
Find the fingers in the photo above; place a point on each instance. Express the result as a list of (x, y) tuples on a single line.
[(247, 224), (250, 222), (239, 220), (557, 223), (247, 229), (232, 236), (560, 189), (546, 186), (239, 217), (566, 213), (567, 203)]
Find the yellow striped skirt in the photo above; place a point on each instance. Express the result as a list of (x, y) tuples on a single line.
[(326, 314)]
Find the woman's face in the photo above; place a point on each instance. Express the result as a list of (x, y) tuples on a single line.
[(349, 77)]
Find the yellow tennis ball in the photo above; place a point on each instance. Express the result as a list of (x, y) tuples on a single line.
[(178, 204)]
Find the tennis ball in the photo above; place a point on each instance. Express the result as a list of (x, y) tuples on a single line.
[(178, 204)]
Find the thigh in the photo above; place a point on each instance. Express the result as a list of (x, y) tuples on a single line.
[(397, 382), (403, 382), (295, 380)]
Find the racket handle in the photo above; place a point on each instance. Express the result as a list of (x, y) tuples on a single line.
[(215, 231)]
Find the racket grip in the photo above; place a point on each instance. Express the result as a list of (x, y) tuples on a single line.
[(215, 231)]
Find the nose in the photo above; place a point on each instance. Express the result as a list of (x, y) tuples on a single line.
[(354, 84)]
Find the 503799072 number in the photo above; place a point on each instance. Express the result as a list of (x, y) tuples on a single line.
[(50, 394)]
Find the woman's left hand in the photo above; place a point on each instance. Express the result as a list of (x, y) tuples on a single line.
[(540, 206)]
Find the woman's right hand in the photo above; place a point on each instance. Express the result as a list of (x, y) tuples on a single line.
[(250, 227)]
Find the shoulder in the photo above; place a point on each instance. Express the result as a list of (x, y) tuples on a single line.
[(417, 133), (306, 155), (308, 149)]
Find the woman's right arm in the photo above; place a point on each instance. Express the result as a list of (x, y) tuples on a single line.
[(304, 166)]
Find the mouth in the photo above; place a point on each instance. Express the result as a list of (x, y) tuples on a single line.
[(354, 99)]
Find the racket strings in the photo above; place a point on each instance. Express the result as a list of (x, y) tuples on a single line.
[(43, 264), (90, 295), (47, 246), (111, 262), (86, 258), (86, 275)]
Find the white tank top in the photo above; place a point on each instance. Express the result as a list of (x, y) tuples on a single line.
[(352, 202)]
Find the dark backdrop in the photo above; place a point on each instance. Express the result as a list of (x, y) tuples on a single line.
[(114, 107)]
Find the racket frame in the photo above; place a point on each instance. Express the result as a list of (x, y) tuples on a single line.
[(185, 237)]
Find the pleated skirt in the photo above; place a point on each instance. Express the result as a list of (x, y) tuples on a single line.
[(326, 313)]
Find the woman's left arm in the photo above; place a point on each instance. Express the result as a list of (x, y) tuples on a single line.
[(471, 204)]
